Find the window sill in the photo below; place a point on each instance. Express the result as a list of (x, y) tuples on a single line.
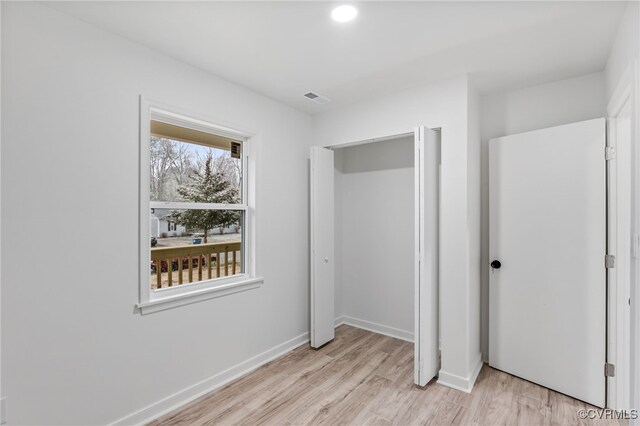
[(198, 295)]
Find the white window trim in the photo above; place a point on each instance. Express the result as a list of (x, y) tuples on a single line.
[(166, 298)]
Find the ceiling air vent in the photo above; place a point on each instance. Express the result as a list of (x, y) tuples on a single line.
[(316, 98)]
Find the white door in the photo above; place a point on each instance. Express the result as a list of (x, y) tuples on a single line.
[(427, 164), (322, 246), (547, 248)]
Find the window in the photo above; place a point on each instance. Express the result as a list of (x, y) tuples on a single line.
[(195, 210)]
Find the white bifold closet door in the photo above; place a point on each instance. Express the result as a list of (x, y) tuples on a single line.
[(426, 185), (322, 246), (547, 247)]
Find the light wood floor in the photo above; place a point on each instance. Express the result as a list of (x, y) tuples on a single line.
[(366, 378)]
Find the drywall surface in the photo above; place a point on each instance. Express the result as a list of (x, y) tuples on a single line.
[(441, 105), (542, 106), (538, 107), (474, 214), (338, 227), (73, 349), (625, 49), (376, 241)]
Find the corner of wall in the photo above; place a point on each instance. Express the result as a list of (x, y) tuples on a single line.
[(474, 221), (625, 48), (464, 384)]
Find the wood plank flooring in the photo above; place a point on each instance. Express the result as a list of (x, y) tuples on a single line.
[(367, 378)]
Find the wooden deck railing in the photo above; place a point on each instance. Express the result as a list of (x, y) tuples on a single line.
[(213, 260)]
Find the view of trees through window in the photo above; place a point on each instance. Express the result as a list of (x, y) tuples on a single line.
[(176, 165), (195, 244)]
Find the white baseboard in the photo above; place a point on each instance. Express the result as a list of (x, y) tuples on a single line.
[(375, 327), (170, 403), (464, 384)]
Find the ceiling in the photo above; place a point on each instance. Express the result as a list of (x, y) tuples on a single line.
[(286, 49)]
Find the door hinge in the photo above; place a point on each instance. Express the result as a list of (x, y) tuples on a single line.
[(609, 261), (609, 370), (609, 152)]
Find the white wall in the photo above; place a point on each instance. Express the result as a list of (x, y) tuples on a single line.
[(74, 351), (443, 104), (474, 215), (541, 106), (547, 105), (622, 68), (337, 220), (376, 238), (625, 49)]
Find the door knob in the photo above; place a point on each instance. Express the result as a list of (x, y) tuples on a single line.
[(496, 264), (326, 260)]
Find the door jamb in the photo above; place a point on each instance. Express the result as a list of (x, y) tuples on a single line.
[(619, 338)]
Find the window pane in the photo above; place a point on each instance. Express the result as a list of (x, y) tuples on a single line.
[(191, 172), (190, 246)]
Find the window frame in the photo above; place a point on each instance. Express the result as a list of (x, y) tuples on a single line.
[(165, 298)]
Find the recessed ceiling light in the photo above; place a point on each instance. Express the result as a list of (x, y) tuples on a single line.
[(344, 13)]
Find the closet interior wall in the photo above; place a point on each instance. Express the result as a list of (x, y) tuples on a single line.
[(374, 221)]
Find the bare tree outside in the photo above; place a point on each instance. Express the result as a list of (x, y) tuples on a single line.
[(171, 162), (188, 172)]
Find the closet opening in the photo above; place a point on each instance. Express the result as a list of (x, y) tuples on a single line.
[(374, 236), (374, 241)]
